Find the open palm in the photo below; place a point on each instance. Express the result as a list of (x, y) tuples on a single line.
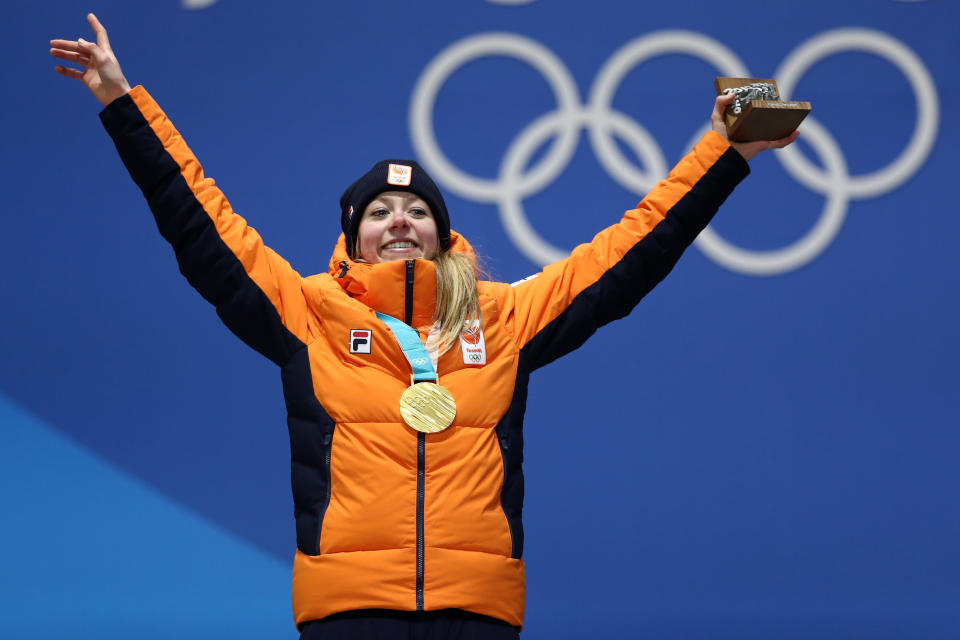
[(101, 74)]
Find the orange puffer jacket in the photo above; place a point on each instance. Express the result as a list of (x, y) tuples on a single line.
[(387, 517)]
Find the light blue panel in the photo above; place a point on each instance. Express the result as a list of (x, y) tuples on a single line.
[(91, 553)]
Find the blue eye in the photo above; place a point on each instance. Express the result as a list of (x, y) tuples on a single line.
[(418, 213)]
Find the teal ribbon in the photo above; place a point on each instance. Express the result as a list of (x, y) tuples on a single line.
[(412, 348)]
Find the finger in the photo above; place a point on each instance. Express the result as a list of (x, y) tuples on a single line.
[(721, 103), (99, 29), (717, 121), (782, 142), (68, 72), (70, 56), (726, 98), (67, 45), (91, 50)]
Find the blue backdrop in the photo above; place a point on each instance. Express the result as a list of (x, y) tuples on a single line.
[(766, 448)]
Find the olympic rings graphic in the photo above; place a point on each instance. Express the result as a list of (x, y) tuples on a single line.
[(563, 125)]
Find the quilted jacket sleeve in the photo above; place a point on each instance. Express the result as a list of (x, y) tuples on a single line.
[(556, 311), (258, 295)]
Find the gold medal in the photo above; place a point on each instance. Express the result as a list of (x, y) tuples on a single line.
[(427, 407)]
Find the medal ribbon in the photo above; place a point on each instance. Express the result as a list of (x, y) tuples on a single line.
[(412, 348)]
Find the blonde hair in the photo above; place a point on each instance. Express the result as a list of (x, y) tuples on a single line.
[(458, 301)]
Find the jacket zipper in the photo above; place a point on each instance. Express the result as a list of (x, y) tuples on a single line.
[(421, 448), (421, 481), (327, 441)]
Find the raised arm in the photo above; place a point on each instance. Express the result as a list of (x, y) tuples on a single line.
[(257, 293), (556, 311)]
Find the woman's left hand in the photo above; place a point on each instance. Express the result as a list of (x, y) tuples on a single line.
[(747, 149)]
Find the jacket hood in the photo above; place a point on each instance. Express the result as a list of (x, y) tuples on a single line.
[(383, 287)]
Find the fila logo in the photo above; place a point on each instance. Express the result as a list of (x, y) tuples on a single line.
[(360, 340), (399, 174)]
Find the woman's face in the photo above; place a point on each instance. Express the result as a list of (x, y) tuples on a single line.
[(397, 225)]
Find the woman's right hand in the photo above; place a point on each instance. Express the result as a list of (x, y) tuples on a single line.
[(102, 74)]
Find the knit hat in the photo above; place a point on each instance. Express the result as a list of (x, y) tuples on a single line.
[(392, 175)]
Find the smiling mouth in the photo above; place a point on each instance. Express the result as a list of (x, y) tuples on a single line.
[(400, 244)]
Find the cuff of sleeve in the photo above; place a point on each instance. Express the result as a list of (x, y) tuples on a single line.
[(729, 156), (724, 168), (122, 114), (734, 164)]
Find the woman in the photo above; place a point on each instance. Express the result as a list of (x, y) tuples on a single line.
[(404, 376)]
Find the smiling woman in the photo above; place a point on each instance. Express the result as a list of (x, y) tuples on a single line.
[(408, 494), (397, 226), (406, 222)]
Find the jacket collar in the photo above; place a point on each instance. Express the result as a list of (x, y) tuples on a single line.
[(383, 287)]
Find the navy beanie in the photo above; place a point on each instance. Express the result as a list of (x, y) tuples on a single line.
[(392, 175)]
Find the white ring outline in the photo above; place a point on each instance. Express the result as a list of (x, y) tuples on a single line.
[(519, 152), (778, 261), (622, 62), (598, 118), (928, 108), (449, 60)]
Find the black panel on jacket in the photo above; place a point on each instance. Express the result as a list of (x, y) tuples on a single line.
[(510, 435), (648, 262), (206, 261), (311, 439)]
